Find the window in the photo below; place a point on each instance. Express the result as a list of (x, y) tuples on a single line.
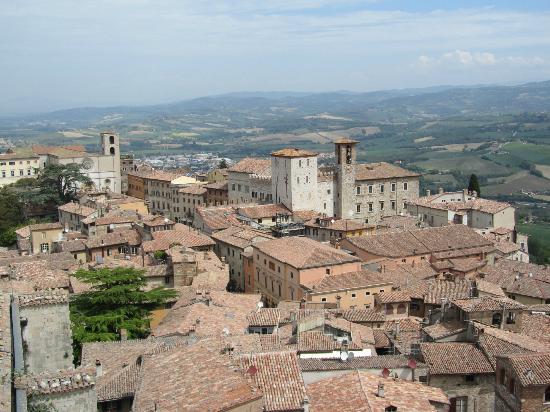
[(111, 140), (280, 290), (367, 293), (393, 187), (233, 186), (512, 386), (353, 295), (381, 290), (405, 186), (358, 208), (323, 299), (291, 275), (44, 248), (459, 404), (390, 409), (21, 172), (298, 180), (389, 309), (328, 191), (547, 395), (300, 163), (12, 172), (393, 205), (358, 190), (307, 162), (327, 271), (497, 319), (470, 378), (381, 205), (325, 205), (381, 188), (112, 150), (401, 308), (370, 188), (370, 207), (239, 188)]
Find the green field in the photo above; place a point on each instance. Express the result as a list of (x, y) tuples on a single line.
[(539, 240), (535, 153)]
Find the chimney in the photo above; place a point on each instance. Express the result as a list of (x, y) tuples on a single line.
[(123, 334), (98, 368), (440, 191), (305, 404), (380, 392), (464, 194), (428, 192)]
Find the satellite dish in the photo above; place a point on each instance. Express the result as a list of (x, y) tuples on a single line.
[(385, 372), (260, 304), (344, 356)]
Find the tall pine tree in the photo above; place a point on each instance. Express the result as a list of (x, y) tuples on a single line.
[(117, 300), (474, 185)]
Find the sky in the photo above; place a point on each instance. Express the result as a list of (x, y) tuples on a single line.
[(57, 54)]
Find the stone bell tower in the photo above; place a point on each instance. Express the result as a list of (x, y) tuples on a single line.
[(344, 200)]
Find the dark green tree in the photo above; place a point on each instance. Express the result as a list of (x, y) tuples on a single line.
[(11, 215), (117, 300), (223, 164), (56, 184), (474, 185)]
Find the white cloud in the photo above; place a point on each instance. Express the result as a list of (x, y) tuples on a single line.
[(468, 59)]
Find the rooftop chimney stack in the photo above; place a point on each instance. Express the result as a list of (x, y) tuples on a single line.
[(428, 192), (380, 392), (98, 368)]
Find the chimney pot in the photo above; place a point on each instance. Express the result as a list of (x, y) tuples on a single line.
[(98, 368)]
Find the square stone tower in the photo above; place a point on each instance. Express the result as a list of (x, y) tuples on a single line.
[(346, 154), (294, 179)]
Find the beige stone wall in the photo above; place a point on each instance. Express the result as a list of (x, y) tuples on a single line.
[(11, 170), (81, 400), (480, 394), (356, 298), (47, 342), (44, 237)]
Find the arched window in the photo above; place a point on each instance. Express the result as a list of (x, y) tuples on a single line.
[(112, 150), (111, 139), (389, 309), (390, 409), (547, 394), (401, 308), (497, 319)]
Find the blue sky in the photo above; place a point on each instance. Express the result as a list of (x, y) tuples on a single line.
[(65, 53)]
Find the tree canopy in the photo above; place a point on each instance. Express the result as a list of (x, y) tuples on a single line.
[(11, 215), (59, 184), (223, 164), (473, 185), (117, 300)]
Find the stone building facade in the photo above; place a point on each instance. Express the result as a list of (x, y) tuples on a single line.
[(347, 190)]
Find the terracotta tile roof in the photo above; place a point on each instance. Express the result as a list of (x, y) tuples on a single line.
[(121, 384), (304, 215), (357, 391), (112, 218), (489, 288), (399, 222), (216, 186), (44, 297), (193, 190), (531, 369), (265, 317), (405, 275), (379, 171), (251, 165), (39, 275), (482, 205), (205, 379), (363, 315), (468, 251), (163, 239), (255, 343), (536, 325), (73, 246), (360, 334), (160, 175), (467, 264), (454, 358), (155, 220), (318, 341), (293, 152), (505, 247), (263, 211), (24, 232), (279, 378), (392, 297), (341, 225), (363, 362), (420, 241), (349, 280), (209, 315), (381, 339), (122, 237), (432, 291), (240, 237), (57, 382), (487, 303), (544, 307), (303, 253), (45, 226), (520, 278), (218, 218), (77, 209), (444, 329)]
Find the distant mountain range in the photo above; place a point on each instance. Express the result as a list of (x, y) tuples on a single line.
[(441, 101)]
